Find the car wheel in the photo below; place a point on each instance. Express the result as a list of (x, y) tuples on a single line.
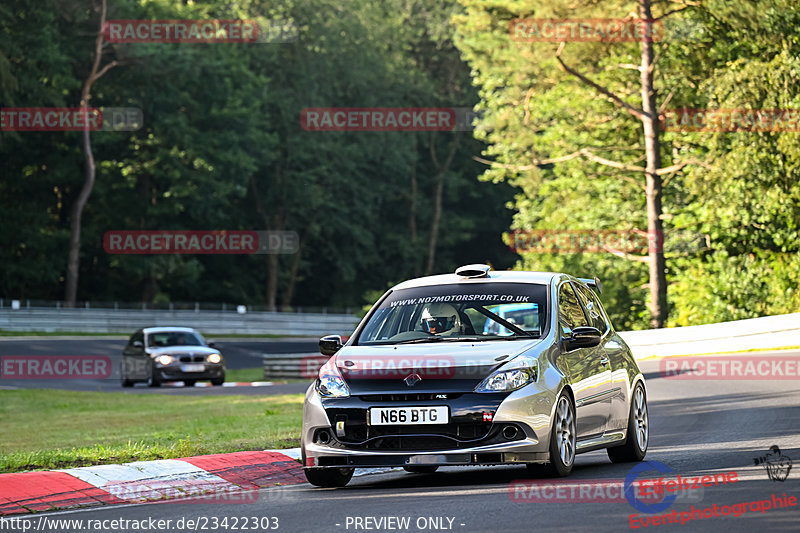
[(638, 433), (152, 379), (562, 440), (189, 382), (219, 381), (127, 383), (329, 477), (421, 469)]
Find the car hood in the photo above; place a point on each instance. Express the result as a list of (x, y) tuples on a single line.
[(179, 350), (440, 367)]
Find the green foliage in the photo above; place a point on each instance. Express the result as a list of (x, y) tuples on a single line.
[(222, 148), (743, 201)]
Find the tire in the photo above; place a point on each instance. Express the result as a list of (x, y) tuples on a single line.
[(421, 469), (638, 434), (219, 381), (152, 379), (329, 477), (562, 441), (127, 383), (189, 382)]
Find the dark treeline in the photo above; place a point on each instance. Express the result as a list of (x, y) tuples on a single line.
[(222, 147)]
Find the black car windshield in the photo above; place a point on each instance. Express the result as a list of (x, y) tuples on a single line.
[(458, 312), (174, 338)]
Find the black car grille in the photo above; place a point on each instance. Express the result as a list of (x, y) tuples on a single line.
[(407, 397), (444, 437), (193, 359)]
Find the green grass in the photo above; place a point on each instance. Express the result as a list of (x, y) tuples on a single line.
[(245, 374), (46, 429)]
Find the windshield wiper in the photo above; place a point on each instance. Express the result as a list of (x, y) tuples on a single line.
[(421, 340)]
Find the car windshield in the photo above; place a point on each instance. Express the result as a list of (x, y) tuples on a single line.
[(458, 312), (174, 338)]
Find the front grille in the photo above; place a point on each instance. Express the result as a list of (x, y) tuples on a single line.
[(420, 438), (195, 359), (357, 433), (408, 397)]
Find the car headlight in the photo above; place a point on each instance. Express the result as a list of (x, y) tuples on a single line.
[(164, 359), (214, 358), (511, 376), (330, 383)]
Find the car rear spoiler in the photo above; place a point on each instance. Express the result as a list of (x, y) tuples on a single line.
[(593, 283)]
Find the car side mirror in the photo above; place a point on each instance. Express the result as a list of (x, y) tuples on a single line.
[(211, 344), (330, 344), (137, 344), (584, 337)]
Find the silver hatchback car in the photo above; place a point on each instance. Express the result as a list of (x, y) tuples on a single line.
[(475, 368)]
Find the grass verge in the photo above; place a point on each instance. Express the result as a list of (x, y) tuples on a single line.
[(46, 429), (245, 374)]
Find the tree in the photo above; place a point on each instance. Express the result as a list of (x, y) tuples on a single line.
[(96, 72)]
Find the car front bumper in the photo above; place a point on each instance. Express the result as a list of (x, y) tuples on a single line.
[(528, 409), (174, 372)]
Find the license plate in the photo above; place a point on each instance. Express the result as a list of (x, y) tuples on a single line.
[(398, 416), (193, 368)]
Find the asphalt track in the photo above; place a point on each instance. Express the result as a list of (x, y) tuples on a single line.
[(697, 428), (239, 353)]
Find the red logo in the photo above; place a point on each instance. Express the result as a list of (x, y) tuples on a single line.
[(55, 367), (378, 119), (737, 367)]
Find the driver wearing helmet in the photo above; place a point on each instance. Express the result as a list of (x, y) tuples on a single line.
[(441, 319)]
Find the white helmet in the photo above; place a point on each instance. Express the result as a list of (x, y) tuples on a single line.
[(441, 319)]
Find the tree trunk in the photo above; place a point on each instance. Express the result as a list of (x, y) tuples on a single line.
[(286, 300), (437, 215), (73, 260), (441, 171), (76, 213), (658, 279), (272, 282)]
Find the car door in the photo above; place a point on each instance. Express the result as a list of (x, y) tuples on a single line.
[(615, 353), (589, 368), (134, 360)]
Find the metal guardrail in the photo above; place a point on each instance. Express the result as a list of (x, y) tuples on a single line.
[(292, 365), (761, 333), (208, 322)]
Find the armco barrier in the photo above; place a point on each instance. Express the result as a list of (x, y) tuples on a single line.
[(292, 365), (208, 322), (751, 334)]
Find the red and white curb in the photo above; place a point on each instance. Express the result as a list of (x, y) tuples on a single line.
[(230, 477), (238, 384)]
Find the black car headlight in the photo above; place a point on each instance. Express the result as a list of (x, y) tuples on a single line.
[(511, 376)]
